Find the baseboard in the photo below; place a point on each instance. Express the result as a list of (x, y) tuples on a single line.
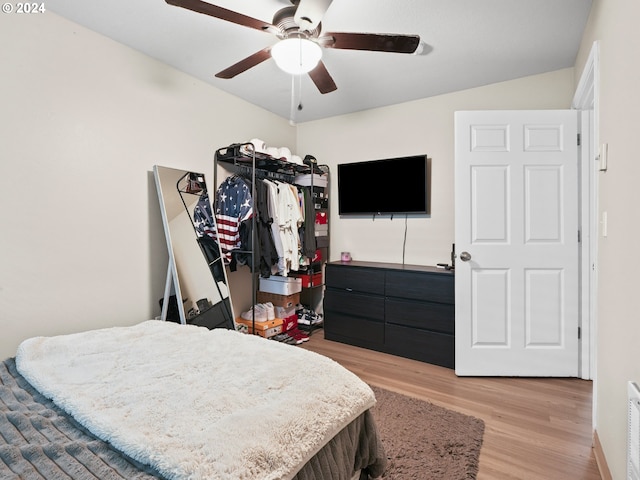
[(601, 461)]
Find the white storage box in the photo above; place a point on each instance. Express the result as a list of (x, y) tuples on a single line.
[(280, 285), (305, 180)]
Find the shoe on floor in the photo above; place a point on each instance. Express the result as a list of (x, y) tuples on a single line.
[(300, 336)]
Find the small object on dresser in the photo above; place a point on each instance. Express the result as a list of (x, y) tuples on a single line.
[(345, 256)]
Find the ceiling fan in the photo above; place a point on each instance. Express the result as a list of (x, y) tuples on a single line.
[(298, 27)]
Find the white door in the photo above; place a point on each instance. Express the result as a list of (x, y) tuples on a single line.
[(516, 240)]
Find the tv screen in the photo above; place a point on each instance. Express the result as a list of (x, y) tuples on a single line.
[(389, 186)]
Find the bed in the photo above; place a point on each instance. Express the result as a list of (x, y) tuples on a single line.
[(163, 400)]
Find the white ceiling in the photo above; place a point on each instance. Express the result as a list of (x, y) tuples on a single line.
[(468, 43)]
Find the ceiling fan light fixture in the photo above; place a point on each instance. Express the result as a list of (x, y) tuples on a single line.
[(296, 55)]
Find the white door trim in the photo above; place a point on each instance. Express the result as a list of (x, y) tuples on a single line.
[(586, 99)]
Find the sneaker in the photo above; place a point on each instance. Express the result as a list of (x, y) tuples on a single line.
[(257, 312), (271, 314), (310, 318), (284, 338), (298, 335)]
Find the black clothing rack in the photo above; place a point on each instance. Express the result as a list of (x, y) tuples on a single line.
[(244, 160)]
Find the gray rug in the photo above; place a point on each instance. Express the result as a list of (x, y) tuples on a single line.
[(424, 441)]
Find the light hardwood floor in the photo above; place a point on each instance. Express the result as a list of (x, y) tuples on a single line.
[(534, 428)]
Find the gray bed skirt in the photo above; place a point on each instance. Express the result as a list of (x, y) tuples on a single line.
[(38, 440)]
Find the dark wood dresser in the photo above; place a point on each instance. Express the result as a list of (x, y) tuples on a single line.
[(405, 310)]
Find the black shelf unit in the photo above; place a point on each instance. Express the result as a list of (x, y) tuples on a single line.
[(243, 159)]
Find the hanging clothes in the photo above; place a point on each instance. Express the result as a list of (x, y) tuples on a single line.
[(262, 255), (289, 219), (268, 253), (274, 212), (203, 219), (205, 226), (233, 205), (211, 252), (308, 230)]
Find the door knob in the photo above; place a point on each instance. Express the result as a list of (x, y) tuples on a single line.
[(465, 256)]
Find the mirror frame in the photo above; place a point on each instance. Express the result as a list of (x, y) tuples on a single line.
[(190, 259)]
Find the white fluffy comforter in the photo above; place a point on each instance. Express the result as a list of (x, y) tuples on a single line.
[(195, 403)]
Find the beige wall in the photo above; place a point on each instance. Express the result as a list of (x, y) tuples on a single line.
[(423, 126), (614, 24), (82, 122)]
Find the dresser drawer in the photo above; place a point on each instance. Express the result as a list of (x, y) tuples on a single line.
[(357, 331), (431, 347), (355, 279), (437, 317), (354, 304), (430, 287)]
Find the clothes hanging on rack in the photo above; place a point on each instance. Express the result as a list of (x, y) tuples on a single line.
[(274, 213), (262, 256), (307, 230), (287, 217), (233, 205), (268, 253), (284, 219)]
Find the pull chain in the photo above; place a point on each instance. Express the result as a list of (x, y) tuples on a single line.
[(294, 107)]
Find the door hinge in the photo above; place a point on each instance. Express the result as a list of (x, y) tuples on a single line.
[(579, 139), (579, 236), (579, 333)]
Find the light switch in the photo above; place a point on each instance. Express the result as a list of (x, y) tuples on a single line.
[(604, 157)]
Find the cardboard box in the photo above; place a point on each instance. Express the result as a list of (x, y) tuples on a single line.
[(286, 301), (280, 285), (265, 329), (289, 322)]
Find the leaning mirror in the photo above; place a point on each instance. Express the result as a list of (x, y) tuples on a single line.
[(197, 289)]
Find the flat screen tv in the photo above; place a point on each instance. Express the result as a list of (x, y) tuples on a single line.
[(388, 186)]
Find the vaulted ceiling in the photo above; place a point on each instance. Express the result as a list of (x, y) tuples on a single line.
[(464, 43)]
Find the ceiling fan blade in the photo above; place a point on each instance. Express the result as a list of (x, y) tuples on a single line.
[(245, 64), (221, 13), (371, 41), (320, 76)]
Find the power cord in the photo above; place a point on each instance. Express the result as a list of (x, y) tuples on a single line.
[(404, 242)]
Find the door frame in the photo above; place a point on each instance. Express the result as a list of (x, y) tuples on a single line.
[(586, 100)]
